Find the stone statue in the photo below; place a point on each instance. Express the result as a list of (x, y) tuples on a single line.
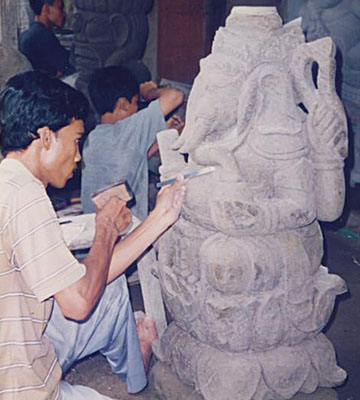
[(241, 271), (340, 19), (108, 32)]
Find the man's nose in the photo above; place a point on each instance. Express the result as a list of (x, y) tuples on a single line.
[(78, 155)]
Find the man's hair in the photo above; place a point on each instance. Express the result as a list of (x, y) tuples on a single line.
[(109, 84), (32, 100), (37, 5)]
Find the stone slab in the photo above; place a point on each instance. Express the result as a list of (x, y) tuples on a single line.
[(167, 385)]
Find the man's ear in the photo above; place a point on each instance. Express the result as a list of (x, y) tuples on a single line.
[(46, 136), (122, 104), (45, 9)]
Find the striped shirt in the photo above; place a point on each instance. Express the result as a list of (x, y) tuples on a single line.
[(34, 265)]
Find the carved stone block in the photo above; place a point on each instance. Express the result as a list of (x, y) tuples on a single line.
[(108, 32), (241, 270)]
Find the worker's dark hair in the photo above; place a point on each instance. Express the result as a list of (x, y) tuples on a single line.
[(32, 100), (37, 5), (109, 84)]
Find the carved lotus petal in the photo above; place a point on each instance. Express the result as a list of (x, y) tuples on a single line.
[(323, 358), (311, 382), (285, 370), (227, 377), (269, 325)]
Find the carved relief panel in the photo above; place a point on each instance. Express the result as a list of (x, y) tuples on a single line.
[(109, 32)]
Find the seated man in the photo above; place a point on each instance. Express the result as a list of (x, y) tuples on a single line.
[(39, 43), (117, 148), (44, 290)]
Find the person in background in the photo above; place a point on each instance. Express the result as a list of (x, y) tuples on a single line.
[(118, 147), (40, 44)]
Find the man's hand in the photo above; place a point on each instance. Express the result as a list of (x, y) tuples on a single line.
[(175, 122), (169, 98), (169, 201), (77, 300), (149, 90), (165, 213), (113, 215)]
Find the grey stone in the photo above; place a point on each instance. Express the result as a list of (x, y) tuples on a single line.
[(241, 270), (169, 386), (164, 381), (108, 33), (320, 394), (12, 62), (8, 23)]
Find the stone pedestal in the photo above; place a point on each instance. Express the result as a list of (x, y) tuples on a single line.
[(168, 386)]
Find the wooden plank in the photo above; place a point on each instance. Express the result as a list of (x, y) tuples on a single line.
[(151, 290)]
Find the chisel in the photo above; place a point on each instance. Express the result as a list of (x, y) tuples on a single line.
[(187, 175)]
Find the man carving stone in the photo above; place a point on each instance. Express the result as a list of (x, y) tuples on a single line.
[(53, 309)]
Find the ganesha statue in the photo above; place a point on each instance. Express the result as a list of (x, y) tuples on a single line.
[(241, 271)]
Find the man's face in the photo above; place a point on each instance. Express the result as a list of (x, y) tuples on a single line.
[(63, 154), (133, 105), (125, 108), (56, 13)]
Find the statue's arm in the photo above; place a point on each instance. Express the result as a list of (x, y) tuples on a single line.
[(291, 205)]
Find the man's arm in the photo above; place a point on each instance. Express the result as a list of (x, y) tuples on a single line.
[(104, 265), (169, 98), (165, 213), (77, 301), (174, 122)]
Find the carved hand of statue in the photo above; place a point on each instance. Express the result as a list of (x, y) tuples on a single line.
[(326, 132), (235, 217)]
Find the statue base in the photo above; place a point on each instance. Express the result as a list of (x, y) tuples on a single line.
[(168, 386)]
